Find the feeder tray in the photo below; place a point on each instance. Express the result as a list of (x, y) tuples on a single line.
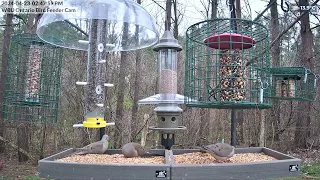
[(52, 169), (229, 41), (283, 166), (293, 83)]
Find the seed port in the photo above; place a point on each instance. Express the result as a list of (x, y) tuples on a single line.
[(97, 119), (173, 119), (163, 119), (98, 123)]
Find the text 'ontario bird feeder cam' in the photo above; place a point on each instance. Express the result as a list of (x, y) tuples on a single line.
[(225, 68), (167, 110), (98, 27)]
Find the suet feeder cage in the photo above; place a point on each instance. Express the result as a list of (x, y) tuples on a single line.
[(99, 27), (33, 80), (293, 83), (167, 110), (225, 64)]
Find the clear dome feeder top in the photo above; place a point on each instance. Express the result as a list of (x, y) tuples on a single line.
[(124, 24)]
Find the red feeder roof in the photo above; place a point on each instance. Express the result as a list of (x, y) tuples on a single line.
[(223, 41)]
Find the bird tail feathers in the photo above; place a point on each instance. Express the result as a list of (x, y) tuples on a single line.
[(80, 151), (202, 149)]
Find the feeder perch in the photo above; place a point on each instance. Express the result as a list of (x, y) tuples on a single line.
[(223, 66), (293, 83)]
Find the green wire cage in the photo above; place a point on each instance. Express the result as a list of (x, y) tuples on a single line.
[(33, 80), (226, 65), (293, 83)]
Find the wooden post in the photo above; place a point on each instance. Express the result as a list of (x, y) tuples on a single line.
[(262, 128), (144, 132)]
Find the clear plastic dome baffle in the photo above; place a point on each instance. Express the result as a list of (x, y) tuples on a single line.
[(124, 23)]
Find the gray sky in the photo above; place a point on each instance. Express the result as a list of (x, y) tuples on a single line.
[(192, 8), (191, 11)]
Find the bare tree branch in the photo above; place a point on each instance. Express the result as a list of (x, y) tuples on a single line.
[(315, 27), (315, 17), (283, 32), (161, 8), (268, 7), (292, 24), (159, 5)]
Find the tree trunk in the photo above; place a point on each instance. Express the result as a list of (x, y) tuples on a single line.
[(168, 15), (176, 30), (214, 9), (240, 126), (238, 9), (306, 59), (24, 129), (144, 131), (4, 67), (239, 112), (275, 54), (30, 25), (122, 134), (204, 113), (122, 129), (134, 111), (262, 128)]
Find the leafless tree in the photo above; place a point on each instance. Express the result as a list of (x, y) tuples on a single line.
[(306, 59)]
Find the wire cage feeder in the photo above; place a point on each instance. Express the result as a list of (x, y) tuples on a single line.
[(293, 83), (33, 80), (225, 64)]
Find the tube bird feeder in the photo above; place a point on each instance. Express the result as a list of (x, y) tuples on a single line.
[(98, 27), (167, 110)]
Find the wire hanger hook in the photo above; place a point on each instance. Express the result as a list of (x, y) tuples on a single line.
[(282, 7)]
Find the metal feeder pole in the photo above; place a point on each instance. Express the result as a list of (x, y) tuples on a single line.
[(233, 111)]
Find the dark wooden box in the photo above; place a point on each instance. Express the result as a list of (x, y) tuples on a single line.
[(285, 166), (48, 168)]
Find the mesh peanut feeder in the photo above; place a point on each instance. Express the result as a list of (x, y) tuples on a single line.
[(226, 68)]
